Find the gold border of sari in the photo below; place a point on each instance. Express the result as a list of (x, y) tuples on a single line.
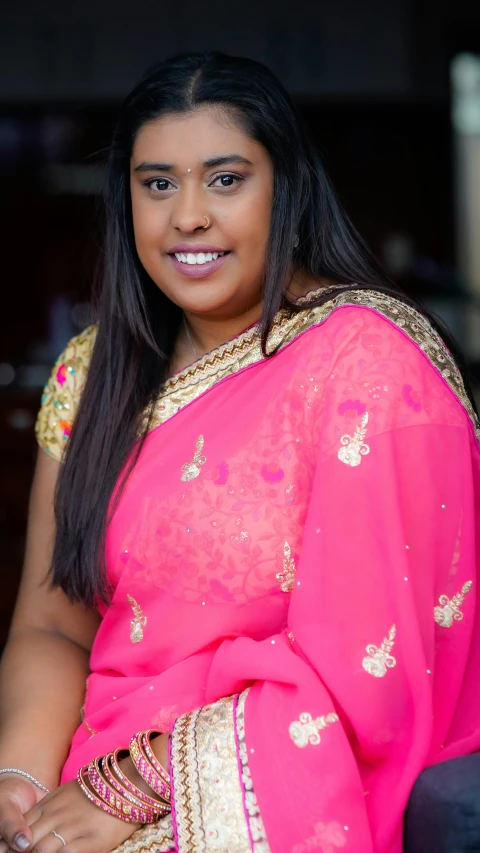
[(61, 402), (245, 350), (215, 806)]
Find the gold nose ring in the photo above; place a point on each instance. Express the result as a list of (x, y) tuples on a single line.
[(207, 222)]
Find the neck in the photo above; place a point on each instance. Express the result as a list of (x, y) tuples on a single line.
[(210, 332)]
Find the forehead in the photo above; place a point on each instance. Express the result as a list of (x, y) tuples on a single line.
[(194, 137)]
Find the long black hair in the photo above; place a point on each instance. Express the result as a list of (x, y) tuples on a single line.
[(138, 324)]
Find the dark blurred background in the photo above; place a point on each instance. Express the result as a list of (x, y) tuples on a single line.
[(390, 90)]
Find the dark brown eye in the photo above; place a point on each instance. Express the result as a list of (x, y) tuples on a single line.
[(227, 181), (160, 184)]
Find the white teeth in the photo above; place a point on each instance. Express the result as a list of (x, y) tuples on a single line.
[(199, 258)]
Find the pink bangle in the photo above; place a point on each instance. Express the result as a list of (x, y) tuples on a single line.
[(103, 786), (95, 800), (147, 773), (122, 806), (164, 774), (149, 767), (109, 764)]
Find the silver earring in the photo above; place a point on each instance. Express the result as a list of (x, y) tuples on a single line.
[(296, 241)]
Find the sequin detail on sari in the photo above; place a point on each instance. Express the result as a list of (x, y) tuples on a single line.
[(449, 610), (353, 445), (138, 622), (256, 826), (191, 470), (306, 731), (380, 659), (287, 577)]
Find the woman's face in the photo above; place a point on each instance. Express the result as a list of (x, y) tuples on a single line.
[(186, 167)]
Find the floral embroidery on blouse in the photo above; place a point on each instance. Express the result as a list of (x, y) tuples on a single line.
[(306, 730), (353, 445), (138, 622), (192, 469), (287, 577), (62, 393), (449, 610), (380, 659)]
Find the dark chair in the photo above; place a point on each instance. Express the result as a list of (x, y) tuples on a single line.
[(443, 814)]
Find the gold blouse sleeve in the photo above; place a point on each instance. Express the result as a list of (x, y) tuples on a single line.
[(62, 393)]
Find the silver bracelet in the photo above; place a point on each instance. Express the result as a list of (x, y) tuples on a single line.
[(26, 776)]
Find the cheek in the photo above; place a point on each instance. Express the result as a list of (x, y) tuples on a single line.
[(251, 226), (147, 226)]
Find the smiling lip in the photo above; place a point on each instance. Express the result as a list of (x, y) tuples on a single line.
[(198, 270), (185, 248)]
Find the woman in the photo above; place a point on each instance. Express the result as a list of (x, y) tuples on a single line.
[(267, 467)]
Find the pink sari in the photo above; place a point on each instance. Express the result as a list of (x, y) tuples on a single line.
[(294, 562)]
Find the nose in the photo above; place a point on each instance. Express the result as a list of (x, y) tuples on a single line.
[(188, 213)]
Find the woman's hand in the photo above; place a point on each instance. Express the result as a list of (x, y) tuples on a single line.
[(67, 811), (84, 827), (17, 796)]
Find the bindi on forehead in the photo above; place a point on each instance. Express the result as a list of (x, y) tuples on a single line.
[(210, 163)]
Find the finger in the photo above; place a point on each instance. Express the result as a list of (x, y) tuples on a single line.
[(14, 829), (50, 843), (53, 844), (47, 836)]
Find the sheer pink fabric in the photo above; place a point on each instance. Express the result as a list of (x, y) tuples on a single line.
[(346, 466)]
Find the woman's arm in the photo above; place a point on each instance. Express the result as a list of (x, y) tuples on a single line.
[(45, 664)]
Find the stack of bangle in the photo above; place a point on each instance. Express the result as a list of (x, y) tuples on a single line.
[(148, 766), (105, 784)]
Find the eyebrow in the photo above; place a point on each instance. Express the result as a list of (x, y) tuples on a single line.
[(211, 163)]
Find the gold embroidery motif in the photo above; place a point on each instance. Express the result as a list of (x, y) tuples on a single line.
[(209, 809), (306, 730), (191, 470), (287, 577), (380, 659), (353, 446), (257, 829), (153, 838), (138, 622), (449, 611)]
